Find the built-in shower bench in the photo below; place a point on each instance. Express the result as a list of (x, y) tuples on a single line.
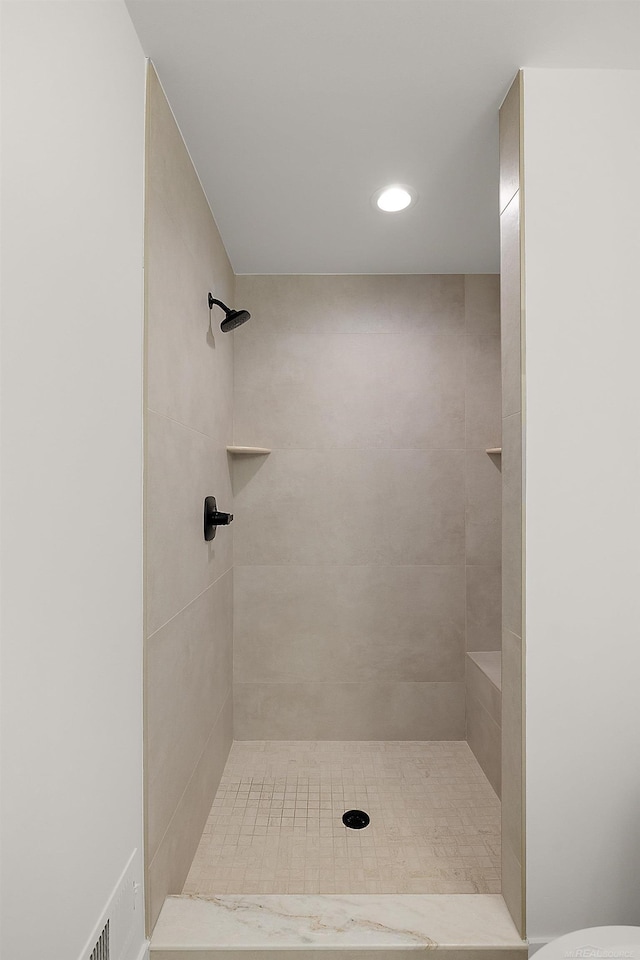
[(484, 711)]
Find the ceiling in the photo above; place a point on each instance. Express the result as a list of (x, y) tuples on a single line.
[(296, 111)]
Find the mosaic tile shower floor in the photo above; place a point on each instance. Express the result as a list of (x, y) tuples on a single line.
[(276, 821)]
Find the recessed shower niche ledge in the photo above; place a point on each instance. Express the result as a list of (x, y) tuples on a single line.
[(248, 451), (489, 662)]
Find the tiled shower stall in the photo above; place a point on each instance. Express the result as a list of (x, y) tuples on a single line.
[(328, 630)]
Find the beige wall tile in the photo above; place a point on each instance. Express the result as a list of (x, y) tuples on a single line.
[(510, 143), (189, 368), (359, 386), (512, 779), (349, 623), (169, 868), (483, 736), (355, 304), (483, 405), (512, 525), (350, 390), (484, 618), (483, 542), (512, 728), (510, 308), (484, 487), (188, 678), (351, 506), (483, 508), (512, 887), (188, 423), (349, 711), (183, 467), (482, 304), (480, 687), (512, 703)]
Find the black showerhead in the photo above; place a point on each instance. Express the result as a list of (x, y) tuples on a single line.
[(233, 319)]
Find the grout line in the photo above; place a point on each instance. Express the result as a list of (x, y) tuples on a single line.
[(186, 426), (193, 772), (187, 605)]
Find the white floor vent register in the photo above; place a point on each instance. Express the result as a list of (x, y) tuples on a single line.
[(101, 949)]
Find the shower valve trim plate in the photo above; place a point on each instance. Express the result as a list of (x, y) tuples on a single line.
[(213, 518)]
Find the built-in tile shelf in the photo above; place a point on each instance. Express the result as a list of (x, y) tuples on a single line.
[(490, 663), (248, 451), (494, 451)]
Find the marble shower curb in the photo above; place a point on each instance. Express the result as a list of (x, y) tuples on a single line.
[(464, 926)]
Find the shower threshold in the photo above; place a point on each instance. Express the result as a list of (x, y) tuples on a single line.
[(464, 926)]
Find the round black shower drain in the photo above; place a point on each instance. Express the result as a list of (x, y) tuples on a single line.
[(355, 819)]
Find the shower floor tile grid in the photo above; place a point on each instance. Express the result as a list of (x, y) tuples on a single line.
[(276, 821)]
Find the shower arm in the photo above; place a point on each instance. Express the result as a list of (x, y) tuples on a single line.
[(218, 303)]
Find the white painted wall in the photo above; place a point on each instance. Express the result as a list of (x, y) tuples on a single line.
[(582, 256), (72, 219)]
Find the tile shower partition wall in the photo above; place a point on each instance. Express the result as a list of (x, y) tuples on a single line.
[(188, 635), (513, 637), (378, 396)]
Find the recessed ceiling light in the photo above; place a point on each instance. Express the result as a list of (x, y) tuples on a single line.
[(397, 196)]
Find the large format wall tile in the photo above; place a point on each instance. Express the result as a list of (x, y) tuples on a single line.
[(350, 539), (188, 665), (349, 623), (169, 867), (183, 467), (512, 525), (512, 886), (483, 543), (483, 736), (190, 361), (351, 390), (188, 582), (483, 411), (355, 304), (352, 506), (483, 515), (484, 589), (483, 509), (513, 862), (481, 687), (512, 756), (510, 308), (482, 304), (349, 711)]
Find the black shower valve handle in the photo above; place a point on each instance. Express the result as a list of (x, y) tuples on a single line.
[(214, 518)]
